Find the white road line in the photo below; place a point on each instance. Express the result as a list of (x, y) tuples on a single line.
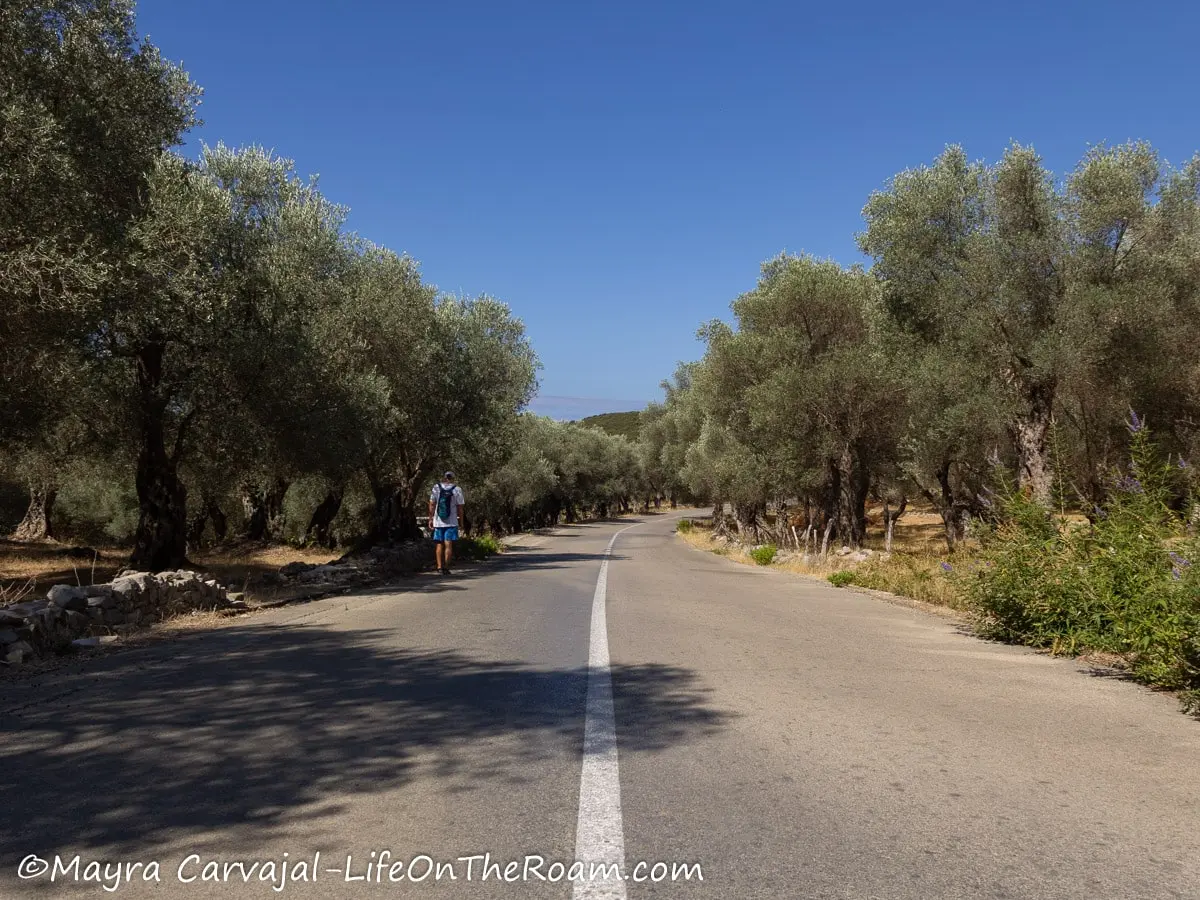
[(600, 833)]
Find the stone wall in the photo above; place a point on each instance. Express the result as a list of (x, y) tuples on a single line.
[(88, 616), (68, 614), (355, 570)]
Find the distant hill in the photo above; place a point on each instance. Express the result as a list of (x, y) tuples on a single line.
[(625, 423)]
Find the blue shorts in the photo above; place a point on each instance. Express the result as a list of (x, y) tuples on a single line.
[(445, 534)]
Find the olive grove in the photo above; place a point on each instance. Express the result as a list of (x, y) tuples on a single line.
[(1009, 323), (196, 349)]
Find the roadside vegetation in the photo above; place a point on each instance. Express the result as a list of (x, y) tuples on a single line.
[(996, 376)]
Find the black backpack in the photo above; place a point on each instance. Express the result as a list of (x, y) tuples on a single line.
[(445, 502)]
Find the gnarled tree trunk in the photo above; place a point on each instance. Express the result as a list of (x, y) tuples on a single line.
[(954, 510), (1031, 435), (749, 520), (845, 498), (394, 517), (890, 518), (319, 525), (219, 521), (160, 542), (783, 534), (264, 509), (195, 532), (852, 512), (831, 497), (720, 523), (36, 525), (209, 511)]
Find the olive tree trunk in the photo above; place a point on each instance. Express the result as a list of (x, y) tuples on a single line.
[(954, 509), (1031, 436), (890, 518), (36, 525), (264, 509), (210, 511), (748, 517), (160, 541), (394, 517), (846, 497), (319, 525)]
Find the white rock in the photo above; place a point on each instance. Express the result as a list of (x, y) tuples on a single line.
[(66, 597)]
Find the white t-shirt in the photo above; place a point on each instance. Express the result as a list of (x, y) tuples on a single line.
[(450, 521)]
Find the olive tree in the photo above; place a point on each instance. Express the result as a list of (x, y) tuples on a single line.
[(801, 398), (86, 111), (450, 377), (213, 296), (1064, 296)]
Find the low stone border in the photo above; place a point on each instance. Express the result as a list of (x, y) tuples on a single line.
[(82, 617), (310, 581)]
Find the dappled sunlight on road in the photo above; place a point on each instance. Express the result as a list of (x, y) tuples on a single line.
[(254, 731)]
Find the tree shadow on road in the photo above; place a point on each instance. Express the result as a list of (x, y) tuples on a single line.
[(515, 560), (520, 559), (247, 732), (465, 572)]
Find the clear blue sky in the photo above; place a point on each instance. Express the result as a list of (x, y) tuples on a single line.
[(617, 171)]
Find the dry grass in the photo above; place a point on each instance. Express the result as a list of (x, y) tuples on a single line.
[(31, 568), (910, 575), (47, 564), (246, 565), (913, 569), (265, 556)]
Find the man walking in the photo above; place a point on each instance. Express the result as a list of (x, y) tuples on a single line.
[(444, 505)]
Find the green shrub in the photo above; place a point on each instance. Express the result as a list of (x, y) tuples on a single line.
[(1125, 583), (480, 547), (764, 556), (96, 504), (354, 519), (842, 578), (683, 526), (303, 496), (488, 544)]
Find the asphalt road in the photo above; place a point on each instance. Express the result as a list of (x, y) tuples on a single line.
[(792, 739)]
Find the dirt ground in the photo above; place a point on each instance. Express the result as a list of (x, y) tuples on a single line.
[(918, 531), (32, 568)]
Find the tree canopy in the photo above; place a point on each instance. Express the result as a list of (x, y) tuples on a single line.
[(1009, 322)]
